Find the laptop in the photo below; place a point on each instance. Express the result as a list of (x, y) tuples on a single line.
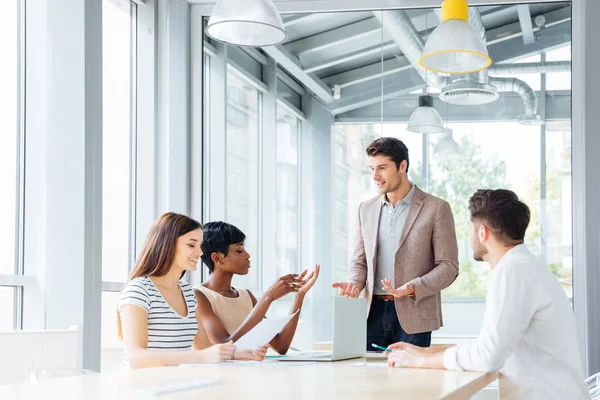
[(349, 333)]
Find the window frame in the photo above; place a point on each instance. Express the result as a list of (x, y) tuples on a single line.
[(112, 286), (18, 280), (248, 79), (300, 121), (216, 65), (141, 162)]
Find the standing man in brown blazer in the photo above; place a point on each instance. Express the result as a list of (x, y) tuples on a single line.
[(405, 253)]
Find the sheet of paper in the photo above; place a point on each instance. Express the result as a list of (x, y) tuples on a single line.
[(247, 363), (266, 363), (262, 333), (173, 388), (370, 365), (291, 363)]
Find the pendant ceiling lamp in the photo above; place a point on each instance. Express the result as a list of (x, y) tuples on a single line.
[(447, 148), (425, 119), (246, 23), (454, 47)]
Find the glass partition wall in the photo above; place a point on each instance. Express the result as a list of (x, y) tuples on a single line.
[(520, 141), (342, 79)]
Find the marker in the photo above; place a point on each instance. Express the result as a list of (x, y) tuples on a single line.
[(381, 348)]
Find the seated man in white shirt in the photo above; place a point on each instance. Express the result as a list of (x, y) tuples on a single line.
[(529, 331)]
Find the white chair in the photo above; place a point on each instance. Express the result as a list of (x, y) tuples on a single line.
[(593, 384), (29, 352)]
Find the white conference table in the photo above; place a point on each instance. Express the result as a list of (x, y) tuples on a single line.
[(272, 380)]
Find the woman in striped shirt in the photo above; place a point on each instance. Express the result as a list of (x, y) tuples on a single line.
[(157, 308)]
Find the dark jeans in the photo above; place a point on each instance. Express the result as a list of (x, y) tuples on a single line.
[(384, 329)]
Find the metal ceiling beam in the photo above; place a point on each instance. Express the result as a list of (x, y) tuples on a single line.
[(369, 91), (507, 108), (512, 49), (493, 36), (509, 48), (363, 95), (368, 72), (295, 19), (291, 64), (365, 33), (368, 51), (359, 30), (526, 26), (513, 30)]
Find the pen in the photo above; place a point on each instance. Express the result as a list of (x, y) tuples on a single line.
[(381, 348)]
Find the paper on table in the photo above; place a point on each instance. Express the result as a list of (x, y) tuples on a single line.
[(174, 387), (266, 363), (368, 364), (244, 363), (262, 333)]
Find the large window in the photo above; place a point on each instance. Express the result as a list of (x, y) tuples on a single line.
[(117, 138), (287, 192), (494, 155), (559, 80), (557, 241), (9, 139), (11, 102), (533, 80), (118, 169), (243, 119), (532, 161), (206, 138)]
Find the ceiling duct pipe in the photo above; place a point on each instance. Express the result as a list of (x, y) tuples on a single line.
[(531, 114), (474, 88), (530, 68), (400, 27)]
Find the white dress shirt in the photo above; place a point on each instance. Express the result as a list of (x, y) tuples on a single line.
[(528, 333)]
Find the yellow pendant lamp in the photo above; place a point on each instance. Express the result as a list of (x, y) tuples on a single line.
[(454, 47)]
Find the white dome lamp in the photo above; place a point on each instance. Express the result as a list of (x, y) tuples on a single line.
[(447, 148), (246, 23), (454, 47), (425, 119)]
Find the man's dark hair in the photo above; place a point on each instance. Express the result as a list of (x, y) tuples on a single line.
[(503, 212), (217, 236), (390, 147)]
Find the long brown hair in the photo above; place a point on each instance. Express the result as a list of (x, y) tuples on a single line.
[(158, 252)]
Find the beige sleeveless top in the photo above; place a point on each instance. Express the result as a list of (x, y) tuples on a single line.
[(231, 311)]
